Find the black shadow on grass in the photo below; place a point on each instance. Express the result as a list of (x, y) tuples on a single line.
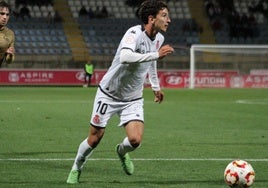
[(170, 182)]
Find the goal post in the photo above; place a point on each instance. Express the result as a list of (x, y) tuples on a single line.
[(236, 64)]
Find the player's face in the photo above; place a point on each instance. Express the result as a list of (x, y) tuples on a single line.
[(162, 20), (4, 16)]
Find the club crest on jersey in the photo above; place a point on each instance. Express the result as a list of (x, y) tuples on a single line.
[(96, 119), (130, 39)]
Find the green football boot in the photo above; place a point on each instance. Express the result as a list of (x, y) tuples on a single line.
[(127, 164), (74, 176)]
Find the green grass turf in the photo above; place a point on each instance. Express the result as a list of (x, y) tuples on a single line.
[(188, 140)]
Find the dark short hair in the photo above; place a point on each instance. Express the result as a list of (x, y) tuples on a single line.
[(150, 8), (5, 4)]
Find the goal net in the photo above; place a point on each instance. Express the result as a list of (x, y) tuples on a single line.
[(228, 66)]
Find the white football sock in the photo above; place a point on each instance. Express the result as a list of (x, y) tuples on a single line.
[(84, 151), (125, 147)]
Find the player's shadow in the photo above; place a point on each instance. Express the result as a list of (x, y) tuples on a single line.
[(171, 182)]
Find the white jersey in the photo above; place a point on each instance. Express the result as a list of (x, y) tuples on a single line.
[(124, 81)]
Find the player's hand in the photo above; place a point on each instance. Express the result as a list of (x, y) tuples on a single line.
[(165, 50), (158, 96), (10, 50), (9, 55)]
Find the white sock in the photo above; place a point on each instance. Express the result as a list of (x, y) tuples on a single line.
[(84, 151), (125, 147)]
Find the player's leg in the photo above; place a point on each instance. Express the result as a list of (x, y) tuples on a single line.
[(84, 151), (96, 132), (89, 80), (86, 147), (134, 131), (85, 80), (132, 118)]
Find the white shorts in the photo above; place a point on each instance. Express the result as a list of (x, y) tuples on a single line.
[(105, 107)]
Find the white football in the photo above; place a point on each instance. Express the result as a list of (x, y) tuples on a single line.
[(239, 173)]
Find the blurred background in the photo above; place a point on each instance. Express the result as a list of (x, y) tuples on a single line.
[(65, 34)]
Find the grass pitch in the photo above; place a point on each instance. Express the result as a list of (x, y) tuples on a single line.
[(188, 140)]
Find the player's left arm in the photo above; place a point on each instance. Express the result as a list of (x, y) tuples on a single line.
[(153, 78), (158, 96)]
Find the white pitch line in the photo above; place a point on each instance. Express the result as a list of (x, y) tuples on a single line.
[(258, 102), (45, 101), (135, 159), (263, 102)]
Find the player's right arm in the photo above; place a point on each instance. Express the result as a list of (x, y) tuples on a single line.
[(130, 51), (128, 56)]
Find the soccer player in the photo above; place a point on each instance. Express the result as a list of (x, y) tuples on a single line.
[(89, 69), (7, 36), (120, 90)]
